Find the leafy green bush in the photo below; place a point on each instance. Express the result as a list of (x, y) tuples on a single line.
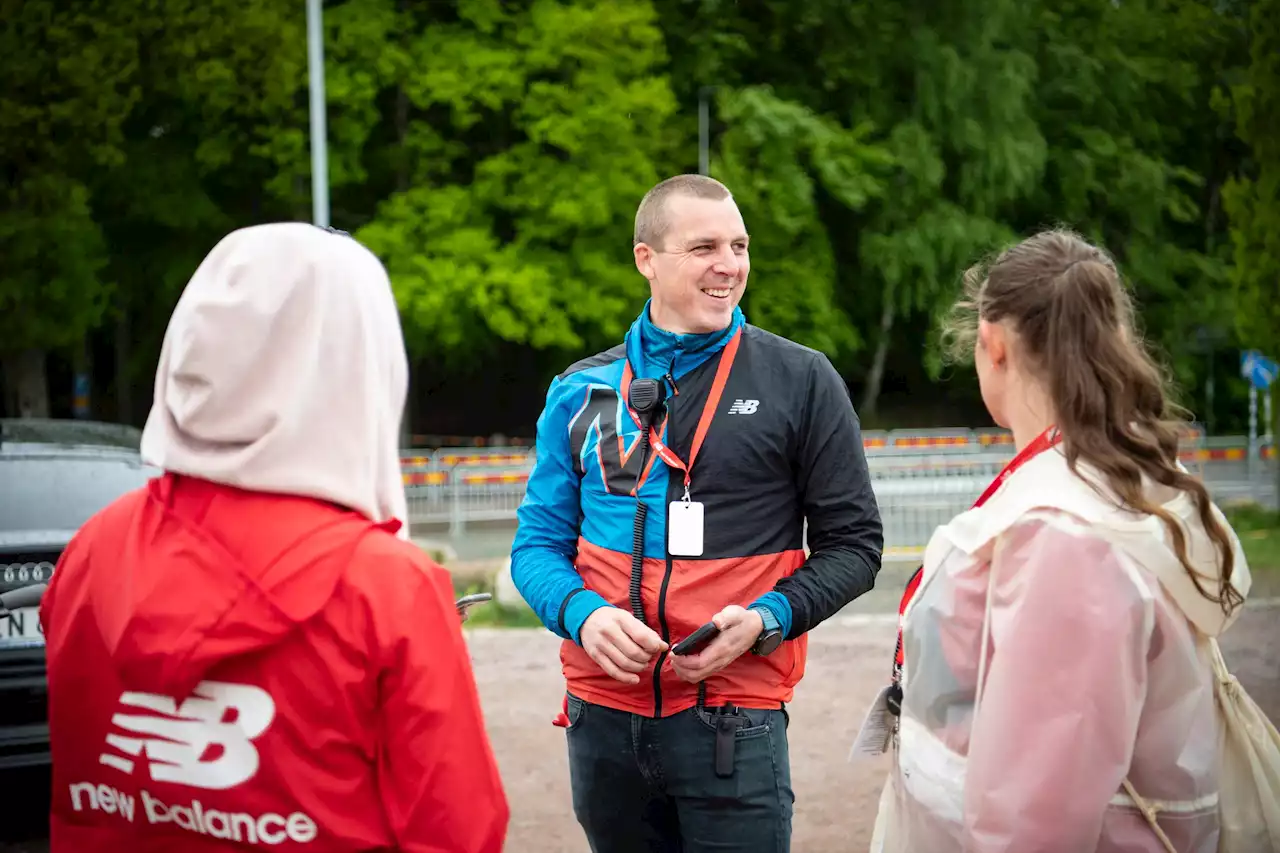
[(1249, 517), (1259, 530)]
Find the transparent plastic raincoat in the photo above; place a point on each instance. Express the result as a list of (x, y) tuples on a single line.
[(1096, 669)]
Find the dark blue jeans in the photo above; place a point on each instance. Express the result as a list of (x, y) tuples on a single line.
[(645, 785)]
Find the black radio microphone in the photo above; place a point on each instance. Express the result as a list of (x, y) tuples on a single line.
[(644, 395)]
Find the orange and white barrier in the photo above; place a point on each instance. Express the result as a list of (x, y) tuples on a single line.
[(504, 478)]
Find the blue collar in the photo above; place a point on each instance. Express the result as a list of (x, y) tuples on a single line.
[(654, 352)]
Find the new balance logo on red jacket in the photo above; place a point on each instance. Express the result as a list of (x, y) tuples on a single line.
[(219, 720), (232, 670), (206, 741)]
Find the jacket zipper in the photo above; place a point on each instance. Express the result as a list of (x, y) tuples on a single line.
[(666, 577)]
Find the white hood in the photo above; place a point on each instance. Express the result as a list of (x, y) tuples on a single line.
[(283, 370)]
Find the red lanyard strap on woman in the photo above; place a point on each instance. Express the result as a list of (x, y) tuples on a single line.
[(727, 356), (1042, 442)]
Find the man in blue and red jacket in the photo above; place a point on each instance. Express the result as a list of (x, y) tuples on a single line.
[(630, 539)]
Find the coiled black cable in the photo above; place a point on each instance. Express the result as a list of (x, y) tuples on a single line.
[(637, 533), (646, 398)]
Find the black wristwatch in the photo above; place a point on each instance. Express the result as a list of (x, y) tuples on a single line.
[(771, 637)]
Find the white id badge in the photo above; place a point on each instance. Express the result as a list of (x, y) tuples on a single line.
[(684, 529), (877, 729)]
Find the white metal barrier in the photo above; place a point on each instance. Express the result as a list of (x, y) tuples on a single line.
[(921, 479)]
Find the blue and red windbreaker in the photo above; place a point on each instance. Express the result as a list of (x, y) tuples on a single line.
[(782, 444)]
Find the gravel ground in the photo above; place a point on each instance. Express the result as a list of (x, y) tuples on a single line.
[(519, 678), (835, 801)]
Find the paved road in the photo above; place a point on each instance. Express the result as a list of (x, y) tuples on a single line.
[(519, 679)]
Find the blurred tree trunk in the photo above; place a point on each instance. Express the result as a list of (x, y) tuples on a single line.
[(124, 377), (875, 377), (24, 373)]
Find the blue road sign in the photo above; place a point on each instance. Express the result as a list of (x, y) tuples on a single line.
[(80, 396), (1258, 369)]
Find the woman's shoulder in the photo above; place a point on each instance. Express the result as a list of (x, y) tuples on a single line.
[(1045, 486)]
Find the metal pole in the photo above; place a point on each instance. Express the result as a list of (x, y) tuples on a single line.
[(1253, 441), (319, 140), (704, 132), (1274, 465), (1266, 441), (1209, 389), (1266, 415)]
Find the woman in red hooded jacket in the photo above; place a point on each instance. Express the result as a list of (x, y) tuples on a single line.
[(248, 653)]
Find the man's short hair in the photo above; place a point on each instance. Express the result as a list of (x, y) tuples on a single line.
[(652, 221)]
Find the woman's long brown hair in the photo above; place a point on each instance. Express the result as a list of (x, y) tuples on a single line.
[(1074, 319)]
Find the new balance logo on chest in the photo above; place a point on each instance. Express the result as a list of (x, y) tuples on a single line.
[(744, 407)]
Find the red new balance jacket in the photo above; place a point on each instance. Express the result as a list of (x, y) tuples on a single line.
[(239, 671)]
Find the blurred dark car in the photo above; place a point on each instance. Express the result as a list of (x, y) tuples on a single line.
[(54, 475)]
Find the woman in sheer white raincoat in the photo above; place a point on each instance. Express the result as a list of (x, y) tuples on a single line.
[(1080, 594)]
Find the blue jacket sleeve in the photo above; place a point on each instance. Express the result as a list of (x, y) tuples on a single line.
[(547, 531)]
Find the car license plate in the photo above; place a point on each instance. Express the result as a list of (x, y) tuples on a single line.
[(21, 629)]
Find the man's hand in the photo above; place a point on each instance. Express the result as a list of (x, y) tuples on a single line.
[(739, 630), (619, 643)]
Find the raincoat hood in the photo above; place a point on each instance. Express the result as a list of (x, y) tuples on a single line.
[(283, 370), (204, 579), (1148, 542), (1047, 482)]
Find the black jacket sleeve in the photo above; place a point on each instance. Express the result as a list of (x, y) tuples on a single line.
[(845, 536)]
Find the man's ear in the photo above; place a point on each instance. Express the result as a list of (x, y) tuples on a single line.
[(644, 259)]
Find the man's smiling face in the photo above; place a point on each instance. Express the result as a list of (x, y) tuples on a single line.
[(699, 271)]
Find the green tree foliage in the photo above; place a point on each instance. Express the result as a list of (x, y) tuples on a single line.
[(776, 156), (493, 155), (535, 133), (1125, 97), (137, 134), (1001, 118), (217, 138), (66, 96), (1253, 200), (969, 149)]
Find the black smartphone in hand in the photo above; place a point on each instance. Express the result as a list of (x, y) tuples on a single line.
[(696, 641)]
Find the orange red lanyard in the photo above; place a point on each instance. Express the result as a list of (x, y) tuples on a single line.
[(668, 456), (1042, 442)]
